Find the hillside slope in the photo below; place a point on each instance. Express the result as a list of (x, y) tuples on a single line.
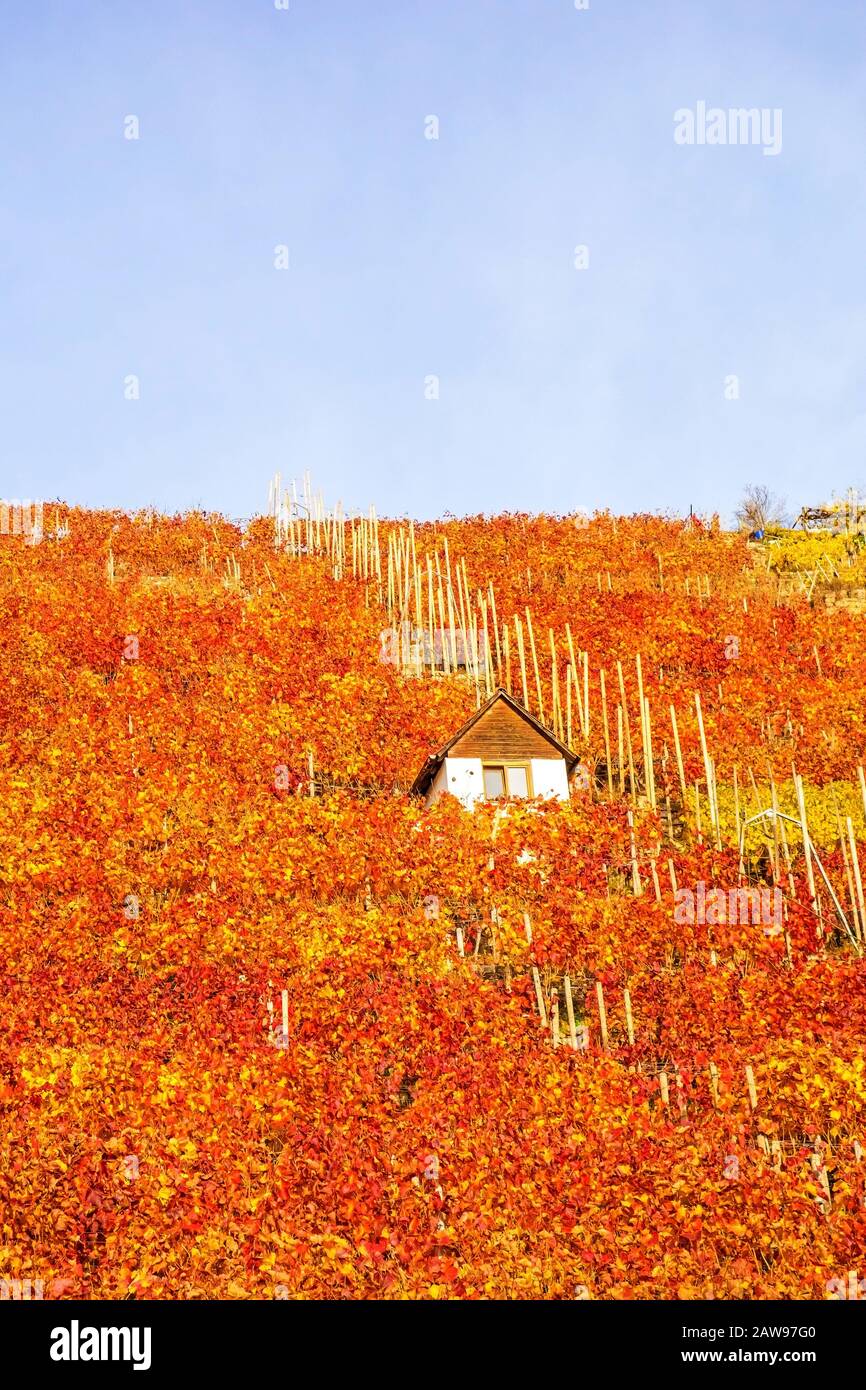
[(170, 886)]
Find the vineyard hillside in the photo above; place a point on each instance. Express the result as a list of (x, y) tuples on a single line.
[(274, 1029)]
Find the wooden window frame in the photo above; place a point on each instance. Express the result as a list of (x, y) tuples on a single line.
[(505, 764)]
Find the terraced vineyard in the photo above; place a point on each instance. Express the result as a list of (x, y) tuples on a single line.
[(272, 1029)]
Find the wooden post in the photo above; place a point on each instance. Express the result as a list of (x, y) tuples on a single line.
[(452, 624), (473, 665), (635, 875), (820, 1169), (431, 614), (556, 717), (629, 1022), (714, 1084), (750, 1082), (737, 824), (679, 753), (446, 663), (539, 997), (569, 1009), (581, 713), (681, 1095), (849, 880), (496, 632), (419, 623), (627, 728), (786, 854), (663, 1088), (284, 1000), (602, 1015), (518, 628), (807, 849), (489, 684), (655, 878), (535, 664), (707, 766), (855, 864), (642, 711), (716, 805), (649, 771), (606, 733), (464, 620), (673, 873)]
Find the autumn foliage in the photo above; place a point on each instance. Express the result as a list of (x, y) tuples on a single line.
[(167, 876)]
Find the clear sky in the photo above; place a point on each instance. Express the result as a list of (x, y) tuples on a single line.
[(412, 257)]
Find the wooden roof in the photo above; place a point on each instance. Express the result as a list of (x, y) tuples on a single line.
[(434, 762)]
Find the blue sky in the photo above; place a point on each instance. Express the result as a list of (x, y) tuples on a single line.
[(408, 257)]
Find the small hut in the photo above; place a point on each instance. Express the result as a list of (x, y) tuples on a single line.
[(502, 752)]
